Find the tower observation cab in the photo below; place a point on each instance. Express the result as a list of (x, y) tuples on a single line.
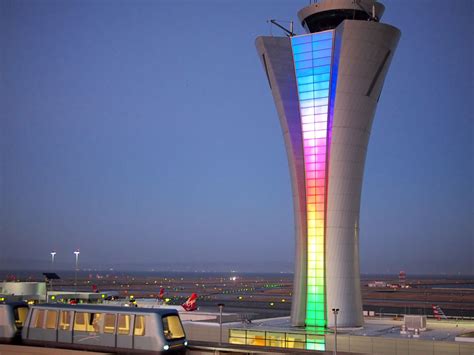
[(328, 14)]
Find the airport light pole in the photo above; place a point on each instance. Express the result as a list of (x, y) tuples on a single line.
[(76, 253), (335, 311), (53, 254), (221, 307)]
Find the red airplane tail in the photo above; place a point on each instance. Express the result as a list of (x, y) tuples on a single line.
[(438, 312), (190, 304), (162, 293)]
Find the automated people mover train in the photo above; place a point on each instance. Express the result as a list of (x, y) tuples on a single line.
[(96, 327)]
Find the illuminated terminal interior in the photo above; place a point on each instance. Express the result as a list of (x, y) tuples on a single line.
[(279, 339), (378, 336)]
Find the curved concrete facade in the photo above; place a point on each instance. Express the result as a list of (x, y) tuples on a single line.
[(276, 56), (359, 55), (365, 51)]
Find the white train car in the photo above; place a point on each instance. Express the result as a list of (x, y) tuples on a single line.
[(12, 318), (105, 328)]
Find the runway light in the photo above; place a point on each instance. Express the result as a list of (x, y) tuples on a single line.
[(283, 300), (272, 304), (185, 343), (166, 347), (240, 297), (103, 296), (53, 297), (167, 300)]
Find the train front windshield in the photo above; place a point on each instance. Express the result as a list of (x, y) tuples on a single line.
[(172, 327)]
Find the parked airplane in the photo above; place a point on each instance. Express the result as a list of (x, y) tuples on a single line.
[(188, 306)]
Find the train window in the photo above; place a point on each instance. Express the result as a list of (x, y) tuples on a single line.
[(139, 326), (109, 323), (38, 318), (94, 324), (80, 322), (65, 320), (51, 319), (124, 324), (172, 327), (87, 322)]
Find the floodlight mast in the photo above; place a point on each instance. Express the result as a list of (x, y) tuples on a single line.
[(335, 311), (53, 254), (221, 307), (76, 253)]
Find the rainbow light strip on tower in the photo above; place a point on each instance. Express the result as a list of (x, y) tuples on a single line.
[(312, 56)]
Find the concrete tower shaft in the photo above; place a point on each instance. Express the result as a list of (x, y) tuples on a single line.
[(326, 86), (365, 50)]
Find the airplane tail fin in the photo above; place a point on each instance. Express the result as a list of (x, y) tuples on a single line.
[(162, 293), (190, 304), (438, 312)]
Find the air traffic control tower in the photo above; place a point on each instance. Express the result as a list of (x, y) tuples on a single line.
[(326, 85)]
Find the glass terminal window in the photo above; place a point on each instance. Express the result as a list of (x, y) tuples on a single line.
[(277, 339), (328, 20)]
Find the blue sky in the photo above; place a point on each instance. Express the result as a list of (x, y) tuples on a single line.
[(144, 132)]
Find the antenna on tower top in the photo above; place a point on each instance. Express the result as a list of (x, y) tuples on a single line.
[(372, 14), (289, 32)]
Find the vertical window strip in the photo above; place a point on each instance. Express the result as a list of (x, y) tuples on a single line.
[(313, 80)]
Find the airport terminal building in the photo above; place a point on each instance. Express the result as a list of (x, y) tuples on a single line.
[(326, 85)]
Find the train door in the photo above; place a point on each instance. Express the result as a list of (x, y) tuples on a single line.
[(124, 331), (140, 341), (20, 313), (88, 330), (65, 327), (108, 330)]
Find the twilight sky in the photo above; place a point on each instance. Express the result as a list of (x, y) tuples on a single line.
[(145, 134)]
